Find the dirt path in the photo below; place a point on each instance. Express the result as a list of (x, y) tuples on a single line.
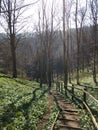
[(47, 115), (68, 118)]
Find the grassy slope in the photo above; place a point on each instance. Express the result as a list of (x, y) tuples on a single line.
[(85, 78), (22, 104)]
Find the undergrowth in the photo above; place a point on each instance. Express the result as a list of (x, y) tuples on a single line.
[(22, 104)]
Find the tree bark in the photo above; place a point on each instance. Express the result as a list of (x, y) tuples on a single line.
[(77, 41), (13, 52), (64, 50)]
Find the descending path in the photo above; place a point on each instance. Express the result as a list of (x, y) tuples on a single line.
[(68, 117)]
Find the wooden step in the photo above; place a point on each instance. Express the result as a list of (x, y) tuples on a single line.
[(69, 127), (69, 113), (70, 123), (69, 119), (70, 110)]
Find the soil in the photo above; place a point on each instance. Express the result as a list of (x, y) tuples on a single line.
[(47, 115), (70, 118)]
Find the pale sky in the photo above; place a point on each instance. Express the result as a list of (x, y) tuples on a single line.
[(31, 12)]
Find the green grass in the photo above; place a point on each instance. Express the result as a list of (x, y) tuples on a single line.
[(86, 78), (86, 123), (22, 104), (52, 117)]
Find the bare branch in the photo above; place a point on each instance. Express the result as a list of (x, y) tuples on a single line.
[(24, 6)]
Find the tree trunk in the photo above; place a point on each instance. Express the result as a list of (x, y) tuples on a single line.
[(95, 54), (0, 6), (77, 41), (13, 52), (64, 50)]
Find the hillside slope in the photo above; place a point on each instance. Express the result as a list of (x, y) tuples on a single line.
[(22, 104)]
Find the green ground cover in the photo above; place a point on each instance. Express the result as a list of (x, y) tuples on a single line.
[(22, 104)]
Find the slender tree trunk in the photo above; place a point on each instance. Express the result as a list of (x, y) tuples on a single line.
[(64, 50), (0, 6), (11, 26), (13, 52), (77, 40), (95, 54), (49, 77), (41, 68), (94, 11)]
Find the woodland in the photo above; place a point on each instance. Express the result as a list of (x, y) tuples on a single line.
[(59, 50)]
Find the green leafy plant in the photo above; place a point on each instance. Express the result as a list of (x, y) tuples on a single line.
[(86, 122), (22, 104), (52, 117)]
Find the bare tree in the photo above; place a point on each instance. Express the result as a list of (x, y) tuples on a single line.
[(11, 12), (65, 50), (77, 40), (79, 26), (94, 17), (11, 18), (45, 43), (68, 33), (42, 51)]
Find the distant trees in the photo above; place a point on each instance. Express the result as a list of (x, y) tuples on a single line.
[(52, 51), (45, 41)]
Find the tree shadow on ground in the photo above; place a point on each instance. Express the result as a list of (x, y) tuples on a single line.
[(10, 111), (57, 104)]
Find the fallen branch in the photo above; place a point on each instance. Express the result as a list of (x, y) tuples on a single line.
[(54, 121), (93, 118)]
